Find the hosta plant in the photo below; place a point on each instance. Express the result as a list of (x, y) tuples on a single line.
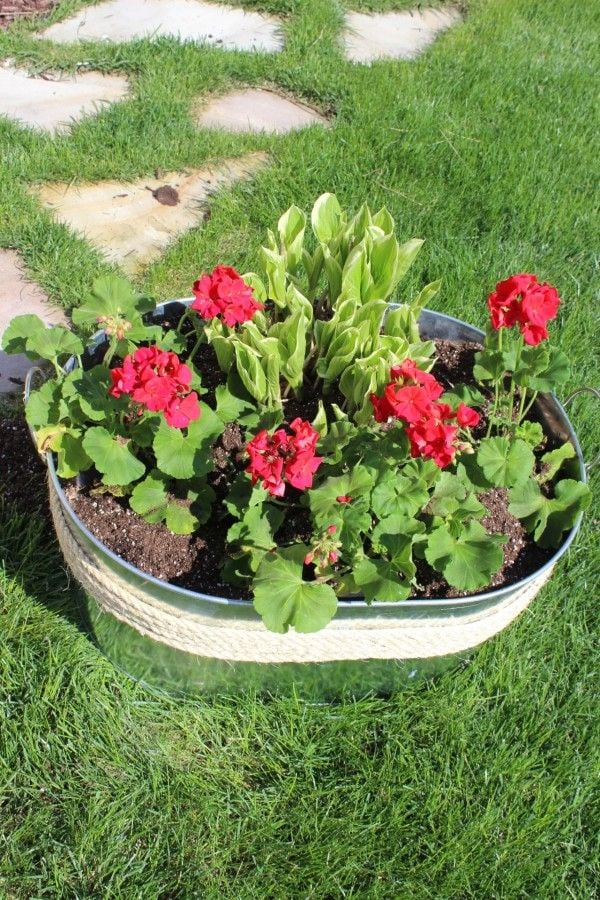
[(356, 469)]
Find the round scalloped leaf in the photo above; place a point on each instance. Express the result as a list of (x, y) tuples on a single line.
[(466, 562), (283, 598), (112, 456), (505, 463)]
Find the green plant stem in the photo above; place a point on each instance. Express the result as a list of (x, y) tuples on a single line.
[(494, 412), (511, 396), (530, 404), (183, 319), (195, 348), (521, 406)]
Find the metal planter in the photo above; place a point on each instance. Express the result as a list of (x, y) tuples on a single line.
[(181, 641)]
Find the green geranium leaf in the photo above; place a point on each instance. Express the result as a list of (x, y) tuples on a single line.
[(254, 533), (19, 331), (547, 518), (552, 462), (379, 579), (112, 457), (525, 501), (186, 456), (179, 518), (489, 365), (149, 497), (405, 496), (113, 297), (467, 562), (323, 500), (171, 341), (231, 408), (91, 391), (560, 514), (532, 361), (43, 406), (530, 432), (556, 374), (71, 455), (242, 495), (55, 343), (283, 598), (505, 463)]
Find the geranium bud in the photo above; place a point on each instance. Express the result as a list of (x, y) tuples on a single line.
[(344, 498), (309, 558), (331, 529), (333, 556)]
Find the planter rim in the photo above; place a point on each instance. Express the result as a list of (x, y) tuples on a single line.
[(354, 604)]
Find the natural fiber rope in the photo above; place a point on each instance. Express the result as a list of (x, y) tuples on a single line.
[(370, 636)]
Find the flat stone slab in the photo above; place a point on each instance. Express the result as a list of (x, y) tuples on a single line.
[(189, 20), (54, 103), (394, 35), (257, 110), (18, 297), (126, 221)]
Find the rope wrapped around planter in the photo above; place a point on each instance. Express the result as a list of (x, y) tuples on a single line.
[(219, 636)]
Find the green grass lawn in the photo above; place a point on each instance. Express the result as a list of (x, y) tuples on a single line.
[(482, 784)]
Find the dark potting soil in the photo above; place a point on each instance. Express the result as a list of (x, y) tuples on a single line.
[(22, 473)]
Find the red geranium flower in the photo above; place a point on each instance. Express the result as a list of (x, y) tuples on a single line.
[(432, 439), (160, 382), (282, 457), (408, 396), (428, 421), (521, 300), (467, 417), (225, 295)]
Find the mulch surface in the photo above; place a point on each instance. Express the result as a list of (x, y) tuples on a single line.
[(13, 10)]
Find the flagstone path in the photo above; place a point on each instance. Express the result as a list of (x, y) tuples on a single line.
[(126, 221), (257, 110), (55, 102), (394, 35), (19, 296), (189, 20), (133, 223)]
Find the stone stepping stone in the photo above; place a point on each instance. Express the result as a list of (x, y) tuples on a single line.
[(189, 20), (18, 297), (133, 223), (257, 110), (394, 35), (55, 103)]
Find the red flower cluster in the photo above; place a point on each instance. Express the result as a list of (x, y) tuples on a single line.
[(225, 295), (281, 457), (412, 397), (160, 382), (521, 300)]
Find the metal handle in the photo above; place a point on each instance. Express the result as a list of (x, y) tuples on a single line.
[(31, 374), (596, 393)]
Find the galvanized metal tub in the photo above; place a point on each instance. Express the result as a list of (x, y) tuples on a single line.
[(181, 641)]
